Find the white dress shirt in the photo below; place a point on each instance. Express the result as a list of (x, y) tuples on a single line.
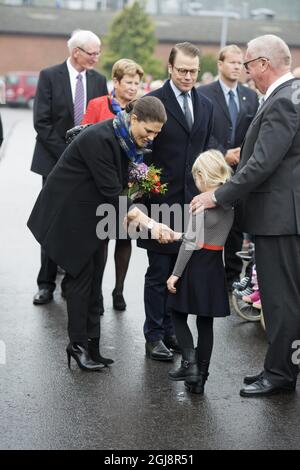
[(179, 97), (226, 91), (73, 73), (285, 78)]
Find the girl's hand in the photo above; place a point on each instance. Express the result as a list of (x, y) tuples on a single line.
[(171, 284)]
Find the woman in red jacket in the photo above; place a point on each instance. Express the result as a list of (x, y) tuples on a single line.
[(126, 76)]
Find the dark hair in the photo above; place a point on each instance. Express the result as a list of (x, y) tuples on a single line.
[(148, 109), (186, 48)]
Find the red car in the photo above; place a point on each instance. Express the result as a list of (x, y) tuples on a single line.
[(20, 88)]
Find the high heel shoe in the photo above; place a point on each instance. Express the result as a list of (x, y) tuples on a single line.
[(94, 352), (82, 357)]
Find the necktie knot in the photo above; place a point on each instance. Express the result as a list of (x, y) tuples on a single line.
[(79, 77)]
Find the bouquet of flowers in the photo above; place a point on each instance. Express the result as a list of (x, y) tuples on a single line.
[(144, 179)]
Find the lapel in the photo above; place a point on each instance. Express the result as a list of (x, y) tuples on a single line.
[(220, 98), (198, 112), (173, 106), (261, 110), (67, 87), (89, 85), (268, 101)]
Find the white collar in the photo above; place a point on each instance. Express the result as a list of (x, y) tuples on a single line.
[(284, 78), (177, 91), (226, 89), (73, 72)]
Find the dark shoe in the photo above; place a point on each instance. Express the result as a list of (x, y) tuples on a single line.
[(118, 301), (43, 296), (158, 351), (250, 379), (198, 387), (82, 357), (262, 388), (189, 368), (93, 347), (171, 343)]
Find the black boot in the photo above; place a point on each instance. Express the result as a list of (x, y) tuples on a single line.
[(198, 387), (82, 357), (189, 367), (93, 347)]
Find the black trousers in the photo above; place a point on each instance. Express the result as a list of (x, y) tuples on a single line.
[(83, 299), (233, 264), (48, 271), (158, 323), (278, 272)]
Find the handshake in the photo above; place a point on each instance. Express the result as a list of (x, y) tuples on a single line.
[(163, 234), (160, 232)]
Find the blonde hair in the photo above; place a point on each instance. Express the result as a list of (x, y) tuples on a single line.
[(227, 49), (126, 67), (213, 168)]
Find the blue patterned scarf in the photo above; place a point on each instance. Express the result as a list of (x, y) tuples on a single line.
[(121, 125), (114, 104)]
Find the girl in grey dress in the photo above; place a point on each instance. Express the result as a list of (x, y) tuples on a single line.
[(198, 285)]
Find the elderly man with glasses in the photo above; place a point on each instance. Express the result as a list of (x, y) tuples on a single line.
[(267, 186), (62, 96)]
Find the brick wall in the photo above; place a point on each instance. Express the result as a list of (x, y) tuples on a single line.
[(20, 52), (30, 53)]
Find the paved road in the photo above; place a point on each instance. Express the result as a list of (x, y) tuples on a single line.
[(132, 405)]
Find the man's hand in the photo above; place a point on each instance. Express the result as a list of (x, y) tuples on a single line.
[(232, 156), (171, 284), (201, 202)]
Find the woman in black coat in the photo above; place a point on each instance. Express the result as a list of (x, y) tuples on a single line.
[(91, 172)]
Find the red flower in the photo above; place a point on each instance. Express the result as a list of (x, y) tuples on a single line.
[(156, 188)]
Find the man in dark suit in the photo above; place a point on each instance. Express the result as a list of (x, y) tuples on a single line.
[(234, 108), (184, 136), (63, 93), (267, 185)]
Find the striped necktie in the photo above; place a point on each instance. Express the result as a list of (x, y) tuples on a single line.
[(78, 101), (187, 111)]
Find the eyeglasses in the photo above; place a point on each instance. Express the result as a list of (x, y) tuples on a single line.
[(91, 54), (184, 72), (253, 60)]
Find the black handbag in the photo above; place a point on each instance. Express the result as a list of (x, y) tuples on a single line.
[(72, 133)]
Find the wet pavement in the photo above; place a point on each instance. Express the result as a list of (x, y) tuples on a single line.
[(131, 405)]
